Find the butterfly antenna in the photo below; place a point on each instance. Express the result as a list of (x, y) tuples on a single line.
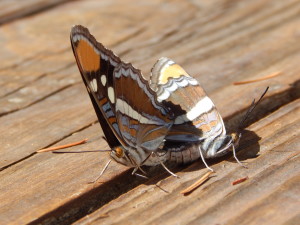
[(241, 126), (106, 150), (251, 108)]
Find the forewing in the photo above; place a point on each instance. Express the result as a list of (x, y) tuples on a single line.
[(143, 121), (196, 117), (96, 65)]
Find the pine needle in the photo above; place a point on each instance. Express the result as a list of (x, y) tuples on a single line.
[(258, 79), (62, 146), (191, 188)]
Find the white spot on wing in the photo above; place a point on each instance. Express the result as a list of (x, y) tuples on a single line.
[(203, 106), (163, 96), (111, 94), (144, 120), (135, 114), (126, 109), (94, 85), (103, 80)]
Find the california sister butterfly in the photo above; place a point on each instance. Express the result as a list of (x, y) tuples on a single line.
[(169, 118)]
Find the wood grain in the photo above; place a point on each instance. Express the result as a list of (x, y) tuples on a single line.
[(11, 10), (273, 176), (44, 102)]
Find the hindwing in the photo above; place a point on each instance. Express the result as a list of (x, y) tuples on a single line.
[(196, 117)]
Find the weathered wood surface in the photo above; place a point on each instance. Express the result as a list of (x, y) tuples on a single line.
[(270, 196), (43, 103), (15, 10)]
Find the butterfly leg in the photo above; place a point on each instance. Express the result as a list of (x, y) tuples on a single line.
[(235, 157), (140, 175), (164, 166), (137, 174), (136, 169), (203, 160), (105, 167)]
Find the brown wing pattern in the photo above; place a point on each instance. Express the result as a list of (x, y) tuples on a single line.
[(126, 106), (143, 121)]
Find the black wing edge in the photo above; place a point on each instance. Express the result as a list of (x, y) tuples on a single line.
[(109, 134)]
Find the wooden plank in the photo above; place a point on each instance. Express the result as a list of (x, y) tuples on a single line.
[(60, 173), (11, 10), (258, 50), (42, 103), (273, 177), (44, 182), (38, 89), (57, 78), (44, 123)]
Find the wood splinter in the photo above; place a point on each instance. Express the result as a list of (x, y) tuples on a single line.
[(62, 146), (197, 184)]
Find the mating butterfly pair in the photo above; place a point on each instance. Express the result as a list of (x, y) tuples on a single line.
[(169, 118)]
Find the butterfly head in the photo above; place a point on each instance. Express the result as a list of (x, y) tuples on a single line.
[(127, 157), (120, 155), (221, 145)]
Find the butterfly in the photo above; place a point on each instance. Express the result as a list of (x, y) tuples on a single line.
[(168, 118), (133, 121)]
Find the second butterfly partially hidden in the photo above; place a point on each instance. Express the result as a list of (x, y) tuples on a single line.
[(169, 118)]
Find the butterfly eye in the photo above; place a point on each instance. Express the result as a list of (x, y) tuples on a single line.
[(119, 152)]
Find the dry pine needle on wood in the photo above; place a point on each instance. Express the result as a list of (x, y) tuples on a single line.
[(198, 183), (62, 146)]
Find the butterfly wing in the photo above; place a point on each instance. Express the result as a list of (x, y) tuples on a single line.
[(196, 117), (125, 104), (143, 121), (96, 65)]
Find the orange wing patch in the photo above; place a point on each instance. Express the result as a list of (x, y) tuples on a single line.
[(195, 123), (131, 131), (207, 127), (172, 71), (89, 59), (112, 120)]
